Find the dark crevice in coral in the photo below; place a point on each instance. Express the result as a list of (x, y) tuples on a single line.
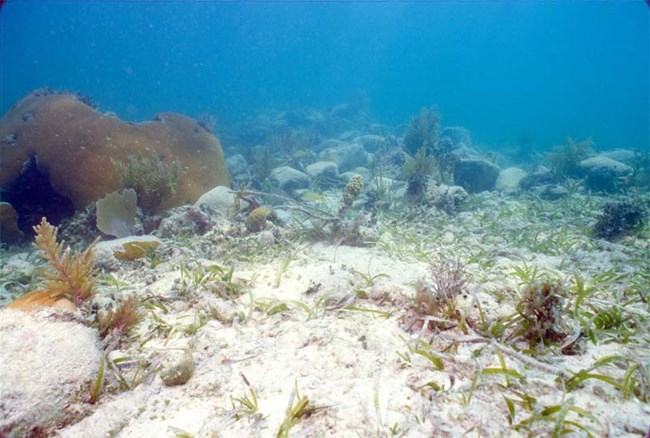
[(33, 197)]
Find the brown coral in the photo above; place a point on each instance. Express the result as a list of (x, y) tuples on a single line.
[(350, 193), (76, 145)]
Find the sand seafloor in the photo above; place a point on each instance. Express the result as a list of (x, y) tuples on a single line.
[(325, 339)]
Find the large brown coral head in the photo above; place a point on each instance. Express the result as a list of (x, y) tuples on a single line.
[(75, 145)]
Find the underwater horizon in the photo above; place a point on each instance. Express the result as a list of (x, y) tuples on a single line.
[(516, 74)]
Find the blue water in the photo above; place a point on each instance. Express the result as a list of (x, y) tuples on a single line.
[(510, 72)]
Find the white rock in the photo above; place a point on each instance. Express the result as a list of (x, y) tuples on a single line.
[(508, 180), (622, 155), (600, 161), (219, 198), (47, 369)]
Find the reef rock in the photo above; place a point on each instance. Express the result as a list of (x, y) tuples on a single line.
[(325, 173), (289, 179), (76, 146), (189, 219), (445, 198), (238, 167), (9, 232), (601, 161), (475, 175), (623, 155), (550, 192), (540, 176), (47, 369), (373, 143), (347, 157), (602, 173), (458, 136)]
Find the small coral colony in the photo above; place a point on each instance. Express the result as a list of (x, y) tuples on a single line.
[(558, 236)]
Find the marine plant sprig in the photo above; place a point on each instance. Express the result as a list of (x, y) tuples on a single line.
[(69, 275), (564, 159), (403, 242), (121, 318), (420, 348), (217, 279), (271, 306), (437, 298), (555, 420), (369, 279), (634, 383), (153, 179), (247, 404), (540, 310), (295, 147), (422, 130), (302, 408)]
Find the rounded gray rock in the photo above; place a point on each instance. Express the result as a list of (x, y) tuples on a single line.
[(289, 179)]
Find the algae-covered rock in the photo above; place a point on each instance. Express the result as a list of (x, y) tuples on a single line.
[(238, 167), (540, 176), (179, 371), (603, 173), (9, 232), (136, 249), (351, 192), (127, 248), (475, 175), (256, 220), (187, 219), (373, 143)]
